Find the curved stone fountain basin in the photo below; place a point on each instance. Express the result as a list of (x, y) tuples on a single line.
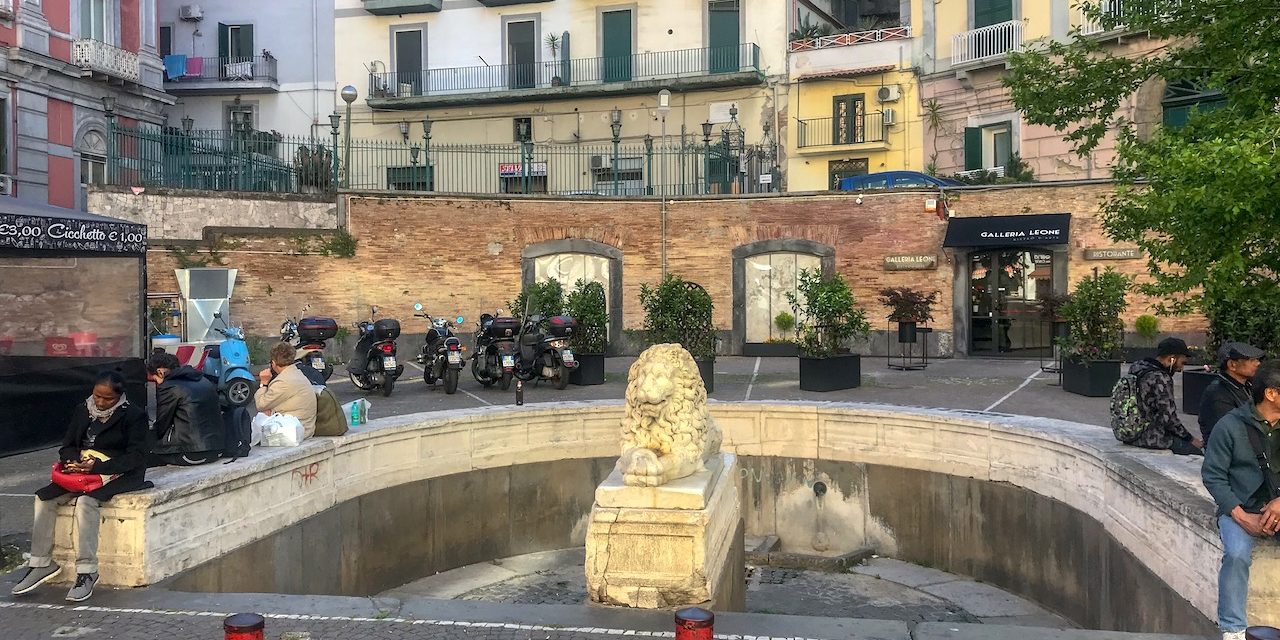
[(1109, 536)]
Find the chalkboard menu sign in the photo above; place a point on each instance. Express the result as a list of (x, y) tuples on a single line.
[(96, 235)]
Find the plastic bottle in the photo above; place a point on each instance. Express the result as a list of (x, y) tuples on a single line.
[(355, 413), (519, 393)]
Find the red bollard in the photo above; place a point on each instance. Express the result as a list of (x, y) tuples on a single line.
[(1262, 633), (695, 623), (244, 626)]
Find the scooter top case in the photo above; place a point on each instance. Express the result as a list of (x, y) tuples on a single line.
[(386, 329), (317, 329)]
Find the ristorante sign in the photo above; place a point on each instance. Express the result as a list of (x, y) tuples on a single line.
[(69, 234), (1039, 229)]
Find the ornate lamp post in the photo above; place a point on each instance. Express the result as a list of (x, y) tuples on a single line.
[(615, 123), (349, 95), (526, 155), (109, 110), (664, 108), (706, 156), (335, 120), (426, 147)]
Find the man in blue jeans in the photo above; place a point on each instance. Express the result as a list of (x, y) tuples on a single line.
[(1242, 472)]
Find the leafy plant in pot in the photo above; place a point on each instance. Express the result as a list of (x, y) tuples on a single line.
[(829, 321), (908, 307), (544, 298), (1091, 348), (1147, 328), (587, 304), (680, 311)]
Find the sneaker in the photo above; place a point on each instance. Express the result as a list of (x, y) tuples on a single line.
[(1233, 635), (83, 587), (35, 577)]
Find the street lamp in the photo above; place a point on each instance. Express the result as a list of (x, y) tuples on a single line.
[(349, 95), (109, 109), (664, 108), (615, 123), (426, 148), (188, 124), (404, 130), (526, 155), (706, 156), (335, 120)]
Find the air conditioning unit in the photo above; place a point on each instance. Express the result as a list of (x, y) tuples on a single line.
[(890, 117), (889, 93), (601, 162), (191, 13), (6, 185)]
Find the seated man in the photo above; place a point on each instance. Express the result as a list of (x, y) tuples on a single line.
[(286, 390), (1240, 472), (189, 428), (107, 425), (1230, 391), (1156, 402)]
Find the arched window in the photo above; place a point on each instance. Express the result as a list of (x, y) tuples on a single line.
[(568, 261), (763, 274)]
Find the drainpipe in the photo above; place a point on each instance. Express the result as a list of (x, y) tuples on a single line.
[(315, 67)]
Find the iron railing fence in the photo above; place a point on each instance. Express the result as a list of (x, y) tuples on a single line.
[(817, 132)]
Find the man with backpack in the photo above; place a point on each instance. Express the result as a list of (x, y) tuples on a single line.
[(1238, 362), (189, 424), (1144, 412), (1242, 472)]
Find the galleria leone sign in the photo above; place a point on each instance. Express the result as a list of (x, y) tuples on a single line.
[(910, 263)]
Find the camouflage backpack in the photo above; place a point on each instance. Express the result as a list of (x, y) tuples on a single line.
[(1127, 422)]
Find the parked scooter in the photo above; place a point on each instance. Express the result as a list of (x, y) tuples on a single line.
[(441, 355), (374, 366), (309, 336), (494, 359), (545, 355), (227, 365)]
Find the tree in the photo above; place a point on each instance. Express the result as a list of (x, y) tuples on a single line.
[(1200, 199)]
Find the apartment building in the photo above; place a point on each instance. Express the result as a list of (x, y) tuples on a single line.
[(70, 68)]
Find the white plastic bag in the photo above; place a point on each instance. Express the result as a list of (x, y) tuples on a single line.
[(255, 430), (279, 430), (356, 412)]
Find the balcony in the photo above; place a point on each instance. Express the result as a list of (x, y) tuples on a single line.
[(850, 39), (831, 132), (401, 7), (1098, 24), (986, 44), (195, 76), (508, 3), (99, 59), (682, 70)]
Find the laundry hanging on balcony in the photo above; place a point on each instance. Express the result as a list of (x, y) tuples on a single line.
[(175, 66)]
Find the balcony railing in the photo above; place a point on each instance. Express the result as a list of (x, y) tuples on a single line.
[(100, 57), (660, 65), (986, 42), (821, 132), (181, 69), (848, 39), (1093, 25)]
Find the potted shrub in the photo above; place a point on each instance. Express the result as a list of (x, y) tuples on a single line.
[(1147, 327), (553, 45), (908, 307), (829, 321), (680, 311), (544, 298), (780, 347), (1091, 349), (587, 304)]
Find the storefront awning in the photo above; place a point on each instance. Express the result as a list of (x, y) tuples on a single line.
[(45, 228), (1006, 231)]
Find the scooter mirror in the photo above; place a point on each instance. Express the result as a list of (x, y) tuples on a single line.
[(374, 310), (461, 319), (217, 314), (417, 306)]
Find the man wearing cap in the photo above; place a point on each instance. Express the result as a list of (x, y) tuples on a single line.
[(1156, 402), (1237, 364)]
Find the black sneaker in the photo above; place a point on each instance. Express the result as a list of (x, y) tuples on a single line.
[(83, 587)]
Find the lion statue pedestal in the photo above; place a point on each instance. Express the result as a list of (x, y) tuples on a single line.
[(666, 528)]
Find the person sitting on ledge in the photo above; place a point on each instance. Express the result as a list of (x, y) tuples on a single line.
[(107, 425), (1242, 472), (1239, 361), (1156, 402), (286, 390), (188, 428)]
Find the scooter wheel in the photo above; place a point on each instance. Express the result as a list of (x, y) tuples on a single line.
[(360, 384), (240, 392), (328, 371), (451, 381), (505, 382), (428, 373), (388, 386), (562, 376)]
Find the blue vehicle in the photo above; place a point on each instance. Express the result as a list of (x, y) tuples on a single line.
[(227, 365), (895, 180)]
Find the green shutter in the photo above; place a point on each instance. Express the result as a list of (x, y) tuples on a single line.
[(615, 33), (723, 36), (224, 41), (972, 148), (245, 43), (989, 12)]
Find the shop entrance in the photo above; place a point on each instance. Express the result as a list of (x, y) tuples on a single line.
[(1005, 289)]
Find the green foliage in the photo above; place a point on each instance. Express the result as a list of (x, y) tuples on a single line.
[(1015, 171), (1093, 316), (314, 166), (679, 311), (339, 245), (1199, 199), (908, 305), (785, 322), (160, 315), (544, 298), (1051, 306), (1244, 312), (807, 30), (829, 319), (1147, 327), (588, 305)]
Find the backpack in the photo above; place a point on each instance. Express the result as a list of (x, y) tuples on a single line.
[(329, 418), (1127, 422), (238, 433)]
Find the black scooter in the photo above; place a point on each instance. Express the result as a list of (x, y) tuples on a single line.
[(494, 359), (374, 366), (441, 356), (544, 354), (309, 336)]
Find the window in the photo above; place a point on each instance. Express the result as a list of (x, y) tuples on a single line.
[(989, 146), (849, 119), (240, 113), (1182, 98), (235, 42), (93, 169), (94, 21), (522, 54), (769, 278), (409, 60), (515, 128), (4, 136), (147, 15), (166, 41), (989, 12), (840, 169)]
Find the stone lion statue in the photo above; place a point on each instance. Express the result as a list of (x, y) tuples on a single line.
[(667, 432)]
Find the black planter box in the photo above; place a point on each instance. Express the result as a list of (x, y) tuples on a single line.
[(1193, 385), (1091, 378), (708, 370), (906, 333), (590, 370), (770, 350), (831, 374), (1134, 354)]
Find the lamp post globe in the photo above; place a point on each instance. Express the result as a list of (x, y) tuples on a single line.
[(349, 94)]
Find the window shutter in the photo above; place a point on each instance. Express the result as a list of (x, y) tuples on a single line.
[(224, 41), (246, 41), (972, 148)]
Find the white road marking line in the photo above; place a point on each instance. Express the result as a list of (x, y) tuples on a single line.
[(754, 373), (482, 400), (16, 495), (1033, 376), (447, 623)]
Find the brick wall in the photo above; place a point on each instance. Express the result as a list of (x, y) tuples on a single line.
[(462, 255)]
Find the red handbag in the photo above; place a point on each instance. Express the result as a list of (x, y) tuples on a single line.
[(82, 482)]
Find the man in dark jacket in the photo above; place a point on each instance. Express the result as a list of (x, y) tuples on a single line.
[(1238, 362), (106, 424), (1156, 402), (189, 428), (1244, 490)]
